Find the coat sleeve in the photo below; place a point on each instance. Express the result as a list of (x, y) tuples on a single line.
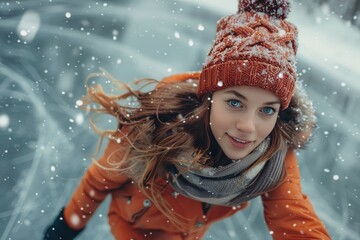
[(96, 183), (288, 212)]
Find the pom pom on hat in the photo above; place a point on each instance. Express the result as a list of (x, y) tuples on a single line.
[(275, 8)]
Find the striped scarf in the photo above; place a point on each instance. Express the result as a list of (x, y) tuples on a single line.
[(234, 183)]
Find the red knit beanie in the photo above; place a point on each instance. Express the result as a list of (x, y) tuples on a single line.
[(255, 47)]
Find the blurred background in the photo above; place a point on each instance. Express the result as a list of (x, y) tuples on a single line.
[(48, 47)]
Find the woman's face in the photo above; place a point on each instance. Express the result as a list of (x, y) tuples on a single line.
[(241, 117)]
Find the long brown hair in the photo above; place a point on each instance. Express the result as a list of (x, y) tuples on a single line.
[(159, 126)]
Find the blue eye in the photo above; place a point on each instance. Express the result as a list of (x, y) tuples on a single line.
[(234, 103), (268, 110)]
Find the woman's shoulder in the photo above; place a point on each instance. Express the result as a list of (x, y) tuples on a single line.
[(174, 78), (178, 78)]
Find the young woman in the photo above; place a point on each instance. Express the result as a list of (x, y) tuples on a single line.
[(200, 145)]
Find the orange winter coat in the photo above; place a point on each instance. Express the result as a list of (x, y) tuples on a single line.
[(288, 213)]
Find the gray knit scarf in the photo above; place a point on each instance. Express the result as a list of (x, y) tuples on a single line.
[(234, 183)]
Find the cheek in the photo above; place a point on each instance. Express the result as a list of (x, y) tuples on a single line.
[(266, 128)]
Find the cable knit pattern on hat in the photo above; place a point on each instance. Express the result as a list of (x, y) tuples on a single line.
[(253, 49)]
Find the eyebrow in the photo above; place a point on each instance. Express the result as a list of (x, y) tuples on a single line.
[(239, 95)]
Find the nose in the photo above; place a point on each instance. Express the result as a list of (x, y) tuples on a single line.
[(246, 122)]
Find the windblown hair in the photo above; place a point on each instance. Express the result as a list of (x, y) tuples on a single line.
[(165, 122)]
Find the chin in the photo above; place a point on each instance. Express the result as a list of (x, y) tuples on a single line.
[(235, 157)]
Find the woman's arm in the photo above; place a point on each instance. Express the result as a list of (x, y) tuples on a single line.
[(288, 212), (96, 183)]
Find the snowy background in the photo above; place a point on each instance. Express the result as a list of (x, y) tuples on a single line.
[(48, 47)]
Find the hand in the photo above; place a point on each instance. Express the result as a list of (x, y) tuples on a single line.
[(59, 230)]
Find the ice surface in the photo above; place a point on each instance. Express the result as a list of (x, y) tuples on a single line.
[(47, 48)]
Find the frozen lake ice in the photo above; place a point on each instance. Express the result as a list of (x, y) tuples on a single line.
[(47, 48)]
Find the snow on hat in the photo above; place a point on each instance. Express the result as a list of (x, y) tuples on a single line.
[(255, 47)]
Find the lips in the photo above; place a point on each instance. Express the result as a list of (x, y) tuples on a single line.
[(239, 140), (239, 143)]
